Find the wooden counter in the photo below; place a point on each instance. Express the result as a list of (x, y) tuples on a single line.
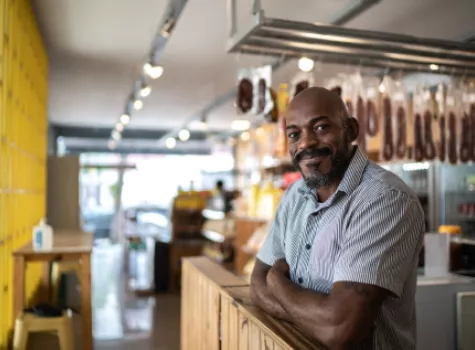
[(217, 313), (68, 245)]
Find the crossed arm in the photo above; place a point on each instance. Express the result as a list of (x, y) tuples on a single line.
[(343, 318)]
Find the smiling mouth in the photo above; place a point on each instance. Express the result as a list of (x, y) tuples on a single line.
[(314, 160)]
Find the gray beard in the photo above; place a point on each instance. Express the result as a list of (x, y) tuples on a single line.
[(317, 180)]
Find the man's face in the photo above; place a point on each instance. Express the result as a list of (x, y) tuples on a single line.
[(319, 139)]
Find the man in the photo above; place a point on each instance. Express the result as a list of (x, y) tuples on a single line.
[(340, 261)]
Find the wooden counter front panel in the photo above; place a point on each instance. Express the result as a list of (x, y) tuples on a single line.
[(217, 314)]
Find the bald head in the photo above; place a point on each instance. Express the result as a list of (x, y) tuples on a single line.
[(320, 99)]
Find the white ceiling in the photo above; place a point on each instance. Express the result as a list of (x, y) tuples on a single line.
[(97, 48)]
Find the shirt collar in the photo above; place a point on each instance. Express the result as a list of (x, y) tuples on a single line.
[(352, 176)]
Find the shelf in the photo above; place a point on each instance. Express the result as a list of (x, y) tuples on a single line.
[(334, 44)]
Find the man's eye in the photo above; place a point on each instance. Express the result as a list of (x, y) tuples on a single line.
[(321, 127), (292, 135)]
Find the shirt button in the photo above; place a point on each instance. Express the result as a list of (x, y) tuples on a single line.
[(300, 280), (308, 246)]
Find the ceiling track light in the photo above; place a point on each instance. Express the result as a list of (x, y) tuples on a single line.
[(184, 135), (145, 90), (119, 127), (170, 142), (153, 71), (203, 123), (138, 104), (116, 135), (124, 119)]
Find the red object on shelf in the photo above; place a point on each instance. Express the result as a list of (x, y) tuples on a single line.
[(289, 178)]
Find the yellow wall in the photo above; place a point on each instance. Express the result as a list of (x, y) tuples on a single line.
[(23, 139)]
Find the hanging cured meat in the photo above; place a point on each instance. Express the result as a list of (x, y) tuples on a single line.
[(245, 95), (442, 124), (452, 100), (418, 138), (399, 107), (388, 146), (401, 138), (452, 136), (465, 138), (429, 145), (442, 141), (372, 122)]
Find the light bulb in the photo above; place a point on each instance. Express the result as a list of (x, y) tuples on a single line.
[(116, 135), (240, 124), (138, 104), (119, 127), (153, 72), (125, 119), (184, 135), (170, 143), (306, 64), (434, 67), (202, 125), (245, 136), (145, 90)]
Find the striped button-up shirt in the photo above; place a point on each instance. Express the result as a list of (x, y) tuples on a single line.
[(369, 231)]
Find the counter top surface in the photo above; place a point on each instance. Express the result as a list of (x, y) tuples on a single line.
[(449, 279), (64, 241)]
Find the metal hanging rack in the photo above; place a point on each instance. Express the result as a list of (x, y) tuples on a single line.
[(334, 44)]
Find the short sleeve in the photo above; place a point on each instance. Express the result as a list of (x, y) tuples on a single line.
[(382, 242), (273, 247)]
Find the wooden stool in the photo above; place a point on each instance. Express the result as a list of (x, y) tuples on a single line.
[(59, 268), (27, 323)]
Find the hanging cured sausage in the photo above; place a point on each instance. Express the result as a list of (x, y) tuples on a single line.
[(401, 138), (400, 120), (452, 124), (442, 125), (419, 142), (388, 146), (387, 149), (372, 122), (244, 98)]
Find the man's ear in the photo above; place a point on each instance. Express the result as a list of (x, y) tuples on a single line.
[(353, 129)]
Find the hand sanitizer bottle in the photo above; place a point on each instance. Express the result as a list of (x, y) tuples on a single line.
[(42, 236)]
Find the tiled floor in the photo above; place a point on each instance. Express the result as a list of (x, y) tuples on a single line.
[(121, 320)]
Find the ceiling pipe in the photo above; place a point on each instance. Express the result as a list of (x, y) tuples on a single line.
[(354, 10)]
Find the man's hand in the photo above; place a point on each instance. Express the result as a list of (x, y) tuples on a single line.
[(278, 271)]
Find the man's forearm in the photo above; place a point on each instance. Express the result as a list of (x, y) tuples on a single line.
[(266, 301), (315, 321)]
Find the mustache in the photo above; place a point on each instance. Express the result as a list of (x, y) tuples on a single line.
[(311, 153)]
